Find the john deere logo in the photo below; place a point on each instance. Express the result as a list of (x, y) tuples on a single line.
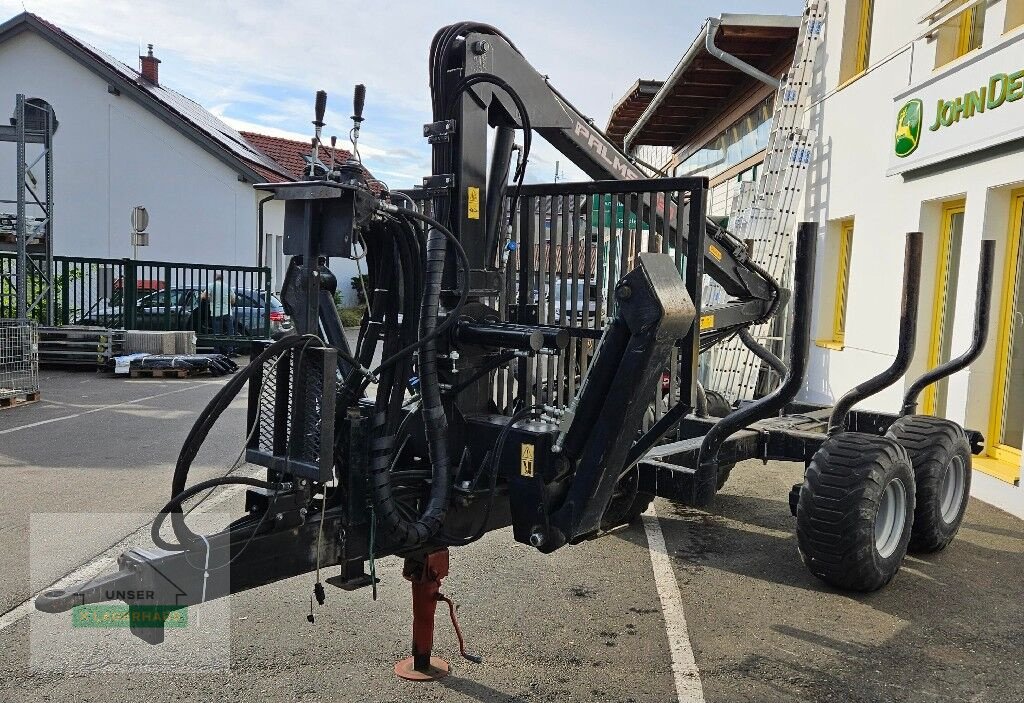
[(908, 128)]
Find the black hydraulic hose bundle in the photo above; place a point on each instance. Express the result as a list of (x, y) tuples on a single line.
[(406, 532)]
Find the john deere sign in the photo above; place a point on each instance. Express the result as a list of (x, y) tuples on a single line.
[(975, 105), (908, 128)]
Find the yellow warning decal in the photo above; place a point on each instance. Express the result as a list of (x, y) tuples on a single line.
[(707, 322), (715, 251), (526, 460), (473, 200)]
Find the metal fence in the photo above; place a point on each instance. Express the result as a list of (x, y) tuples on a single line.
[(19, 361), (153, 295), (566, 248)]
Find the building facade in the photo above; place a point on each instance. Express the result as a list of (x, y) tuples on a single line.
[(918, 113), (125, 138), (920, 127)]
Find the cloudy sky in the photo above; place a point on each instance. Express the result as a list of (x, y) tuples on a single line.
[(257, 63)]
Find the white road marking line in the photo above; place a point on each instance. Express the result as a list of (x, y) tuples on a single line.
[(100, 409), (684, 667), (108, 557)]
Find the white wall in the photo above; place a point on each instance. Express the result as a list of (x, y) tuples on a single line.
[(111, 154), (847, 179)]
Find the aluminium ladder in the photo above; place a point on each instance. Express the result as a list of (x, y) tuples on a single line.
[(766, 214)]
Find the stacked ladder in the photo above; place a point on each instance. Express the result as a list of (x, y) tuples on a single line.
[(766, 214)]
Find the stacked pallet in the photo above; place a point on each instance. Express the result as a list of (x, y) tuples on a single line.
[(160, 342), (181, 365), (79, 346)]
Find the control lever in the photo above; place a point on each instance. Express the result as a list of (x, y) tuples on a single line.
[(358, 101), (321, 107), (318, 125)]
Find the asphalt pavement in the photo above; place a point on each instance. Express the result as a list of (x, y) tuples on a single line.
[(583, 624)]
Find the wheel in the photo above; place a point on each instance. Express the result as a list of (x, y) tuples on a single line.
[(941, 456), (628, 502), (718, 404), (723, 474), (856, 511)]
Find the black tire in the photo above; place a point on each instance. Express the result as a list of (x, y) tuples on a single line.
[(627, 503), (724, 470), (718, 404), (845, 488), (941, 456)]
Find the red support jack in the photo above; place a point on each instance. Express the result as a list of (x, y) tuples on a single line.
[(425, 575)]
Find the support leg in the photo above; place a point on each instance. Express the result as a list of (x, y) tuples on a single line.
[(425, 574)]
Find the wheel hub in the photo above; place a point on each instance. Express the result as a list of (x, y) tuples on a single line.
[(951, 491), (890, 518)]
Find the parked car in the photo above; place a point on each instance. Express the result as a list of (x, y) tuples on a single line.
[(109, 312), (563, 295), (183, 308)]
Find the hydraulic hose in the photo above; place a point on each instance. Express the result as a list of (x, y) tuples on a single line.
[(404, 532)]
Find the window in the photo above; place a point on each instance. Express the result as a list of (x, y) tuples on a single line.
[(1014, 14), (1006, 434), (857, 38), (947, 275), (959, 35), (737, 143), (837, 338)]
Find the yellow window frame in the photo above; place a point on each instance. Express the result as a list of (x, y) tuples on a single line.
[(949, 210), (838, 338), (867, 10), (1010, 298), (964, 31)]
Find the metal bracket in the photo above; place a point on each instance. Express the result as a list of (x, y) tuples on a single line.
[(439, 184), (441, 131)]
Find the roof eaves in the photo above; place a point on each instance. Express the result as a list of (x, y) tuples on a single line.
[(695, 49)]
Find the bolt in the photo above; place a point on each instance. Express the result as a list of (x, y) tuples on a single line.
[(481, 47), (624, 292), (465, 485), (537, 539)]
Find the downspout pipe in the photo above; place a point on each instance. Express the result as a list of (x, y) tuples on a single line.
[(737, 63), (259, 225)]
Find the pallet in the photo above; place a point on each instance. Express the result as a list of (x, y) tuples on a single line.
[(166, 373), (19, 399)]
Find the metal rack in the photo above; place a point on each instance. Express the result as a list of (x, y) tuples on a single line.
[(34, 122), (19, 362)]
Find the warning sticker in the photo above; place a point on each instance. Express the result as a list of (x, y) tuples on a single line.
[(707, 322), (526, 461), (473, 200), (715, 251)]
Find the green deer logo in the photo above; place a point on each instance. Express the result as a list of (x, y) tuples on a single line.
[(908, 128)]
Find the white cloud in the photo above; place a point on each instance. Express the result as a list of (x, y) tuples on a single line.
[(255, 62)]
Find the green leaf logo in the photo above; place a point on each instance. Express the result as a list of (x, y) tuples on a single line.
[(908, 128)]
